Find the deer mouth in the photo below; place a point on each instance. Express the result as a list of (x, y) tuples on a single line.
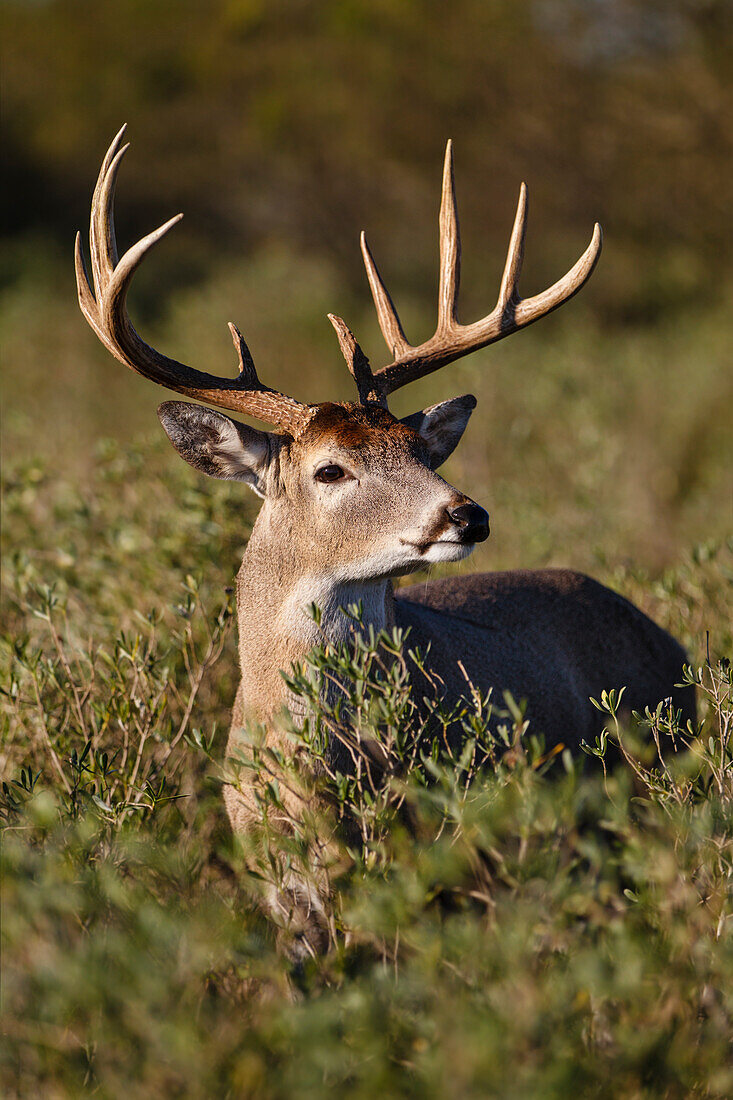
[(459, 548)]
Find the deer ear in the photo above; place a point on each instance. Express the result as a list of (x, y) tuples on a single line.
[(216, 445), (442, 426)]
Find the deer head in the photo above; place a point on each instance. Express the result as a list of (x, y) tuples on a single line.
[(352, 486)]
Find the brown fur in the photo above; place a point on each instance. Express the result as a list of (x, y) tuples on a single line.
[(552, 637), (356, 427)]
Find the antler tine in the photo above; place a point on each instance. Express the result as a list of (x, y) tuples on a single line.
[(247, 372), (531, 309), (104, 306), (102, 238), (87, 301), (515, 254), (450, 248), (389, 322), (357, 363), (452, 340), (113, 297)]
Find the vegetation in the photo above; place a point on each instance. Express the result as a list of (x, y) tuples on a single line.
[(534, 928), (538, 929)]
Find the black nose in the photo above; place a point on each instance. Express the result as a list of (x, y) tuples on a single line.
[(471, 520)]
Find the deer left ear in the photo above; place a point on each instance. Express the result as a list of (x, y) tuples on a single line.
[(442, 426)]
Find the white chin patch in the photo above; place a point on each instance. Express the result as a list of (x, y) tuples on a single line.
[(447, 551)]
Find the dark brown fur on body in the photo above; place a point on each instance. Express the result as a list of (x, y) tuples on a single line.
[(552, 637)]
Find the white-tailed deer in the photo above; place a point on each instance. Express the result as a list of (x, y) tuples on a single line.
[(352, 499)]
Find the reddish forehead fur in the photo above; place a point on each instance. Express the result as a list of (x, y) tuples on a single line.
[(353, 426)]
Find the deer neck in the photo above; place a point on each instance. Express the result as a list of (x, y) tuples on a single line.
[(276, 590)]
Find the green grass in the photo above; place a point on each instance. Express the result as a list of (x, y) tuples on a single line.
[(541, 932)]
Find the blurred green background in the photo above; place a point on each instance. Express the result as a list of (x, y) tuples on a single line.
[(282, 129)]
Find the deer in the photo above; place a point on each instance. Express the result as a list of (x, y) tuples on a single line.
[(351, 500)]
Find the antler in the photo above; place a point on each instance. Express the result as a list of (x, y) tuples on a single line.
[(105, 309), (358, 364), (452, 340)]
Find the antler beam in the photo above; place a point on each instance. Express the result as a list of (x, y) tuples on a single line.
[(103, 303), (452, 340)]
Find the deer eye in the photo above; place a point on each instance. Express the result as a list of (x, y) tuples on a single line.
[(330, 473)]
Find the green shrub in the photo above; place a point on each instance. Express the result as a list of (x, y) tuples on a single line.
[(530, 928)]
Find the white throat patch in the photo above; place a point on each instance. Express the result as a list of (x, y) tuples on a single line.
[(295, 619)]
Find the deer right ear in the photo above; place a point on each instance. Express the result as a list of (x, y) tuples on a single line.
[(216, 445), (442, 426)]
